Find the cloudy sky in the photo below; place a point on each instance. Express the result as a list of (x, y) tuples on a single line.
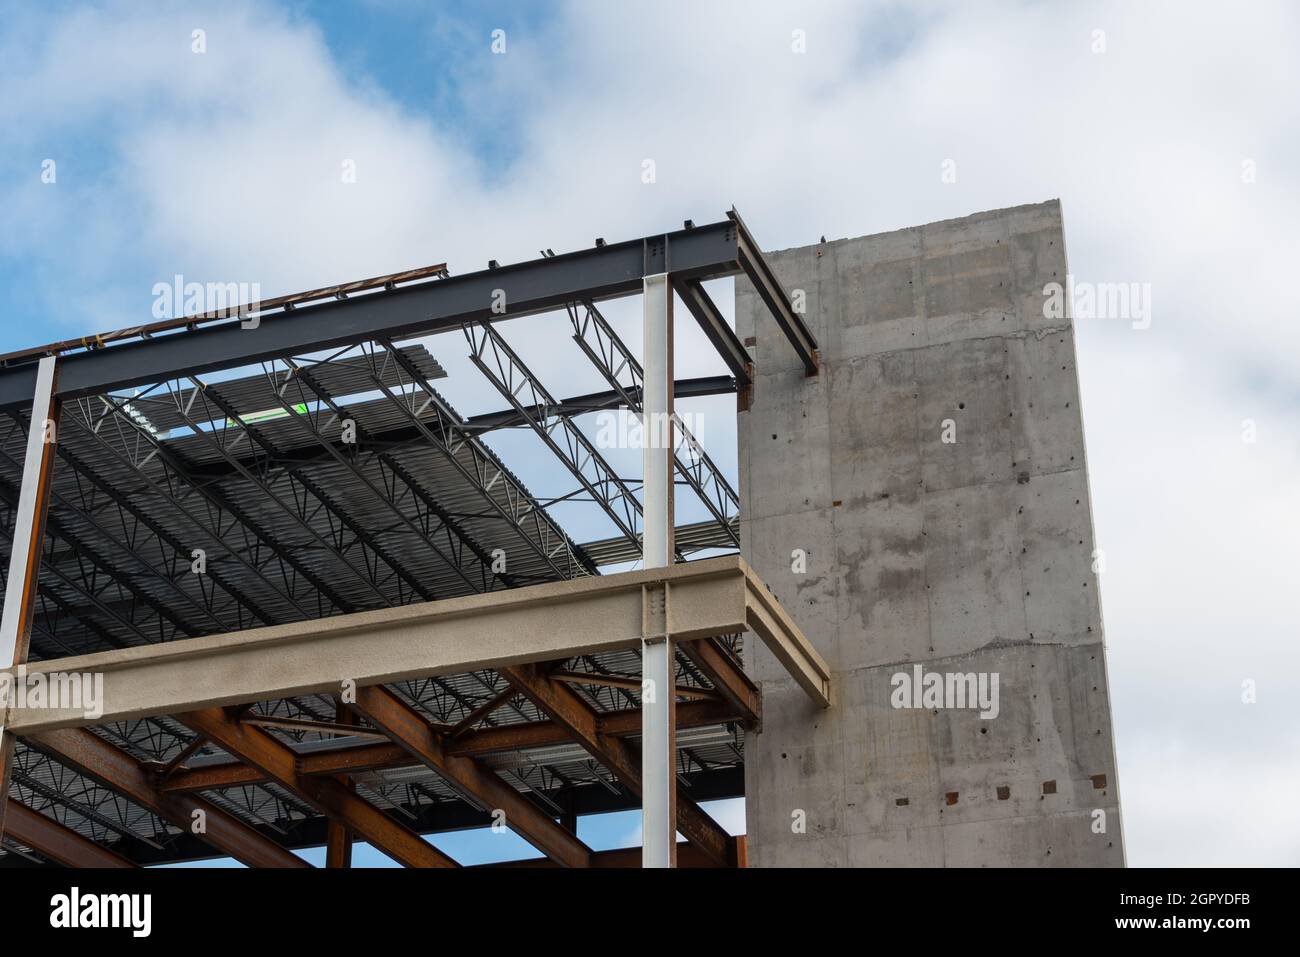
[(1169, 131)]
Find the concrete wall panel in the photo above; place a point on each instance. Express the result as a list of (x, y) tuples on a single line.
[(966, 557)]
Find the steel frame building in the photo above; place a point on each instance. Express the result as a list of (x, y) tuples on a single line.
[(308, 638)]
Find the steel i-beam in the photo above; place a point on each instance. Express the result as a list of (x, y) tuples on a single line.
[(477, 784), (29, 520), (658, 777), (338, 837), (25, 556), (58, 842), (327, 795), (769, 289), (480, 742), (603, 272), (90, 755)]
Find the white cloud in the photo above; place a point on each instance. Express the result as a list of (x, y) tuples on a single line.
[(228, 165)]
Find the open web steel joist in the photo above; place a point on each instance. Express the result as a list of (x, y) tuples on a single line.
[(217, 479)]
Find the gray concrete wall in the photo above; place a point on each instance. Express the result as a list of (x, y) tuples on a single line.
[(969, 556)]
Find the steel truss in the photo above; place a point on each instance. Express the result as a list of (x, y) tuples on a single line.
[(615, 362), (502, 367)]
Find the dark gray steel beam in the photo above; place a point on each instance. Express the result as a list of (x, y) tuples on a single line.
[(597, 402), (773, 295), (603, 272), (715, 327)]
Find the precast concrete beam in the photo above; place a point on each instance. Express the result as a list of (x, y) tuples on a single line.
[(547, 622)]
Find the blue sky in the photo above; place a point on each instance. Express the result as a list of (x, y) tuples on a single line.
[(1170, 131), (420, 55)]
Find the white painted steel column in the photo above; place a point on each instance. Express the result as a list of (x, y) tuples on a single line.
[(658, 731), (29, 519), (25, 558)]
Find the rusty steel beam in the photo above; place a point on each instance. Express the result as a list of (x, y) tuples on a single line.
[(58, 842), (722, 669), (336, 728), (378, 757), (91, 755), (567, 708), (330, 797), (628, 683), (479, 785), (189, 323), (338, 846), (177, 760), (482, 711), (619, 724), (688, 855), (338, 837)]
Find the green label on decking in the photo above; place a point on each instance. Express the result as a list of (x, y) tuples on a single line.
[(267, 415)]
